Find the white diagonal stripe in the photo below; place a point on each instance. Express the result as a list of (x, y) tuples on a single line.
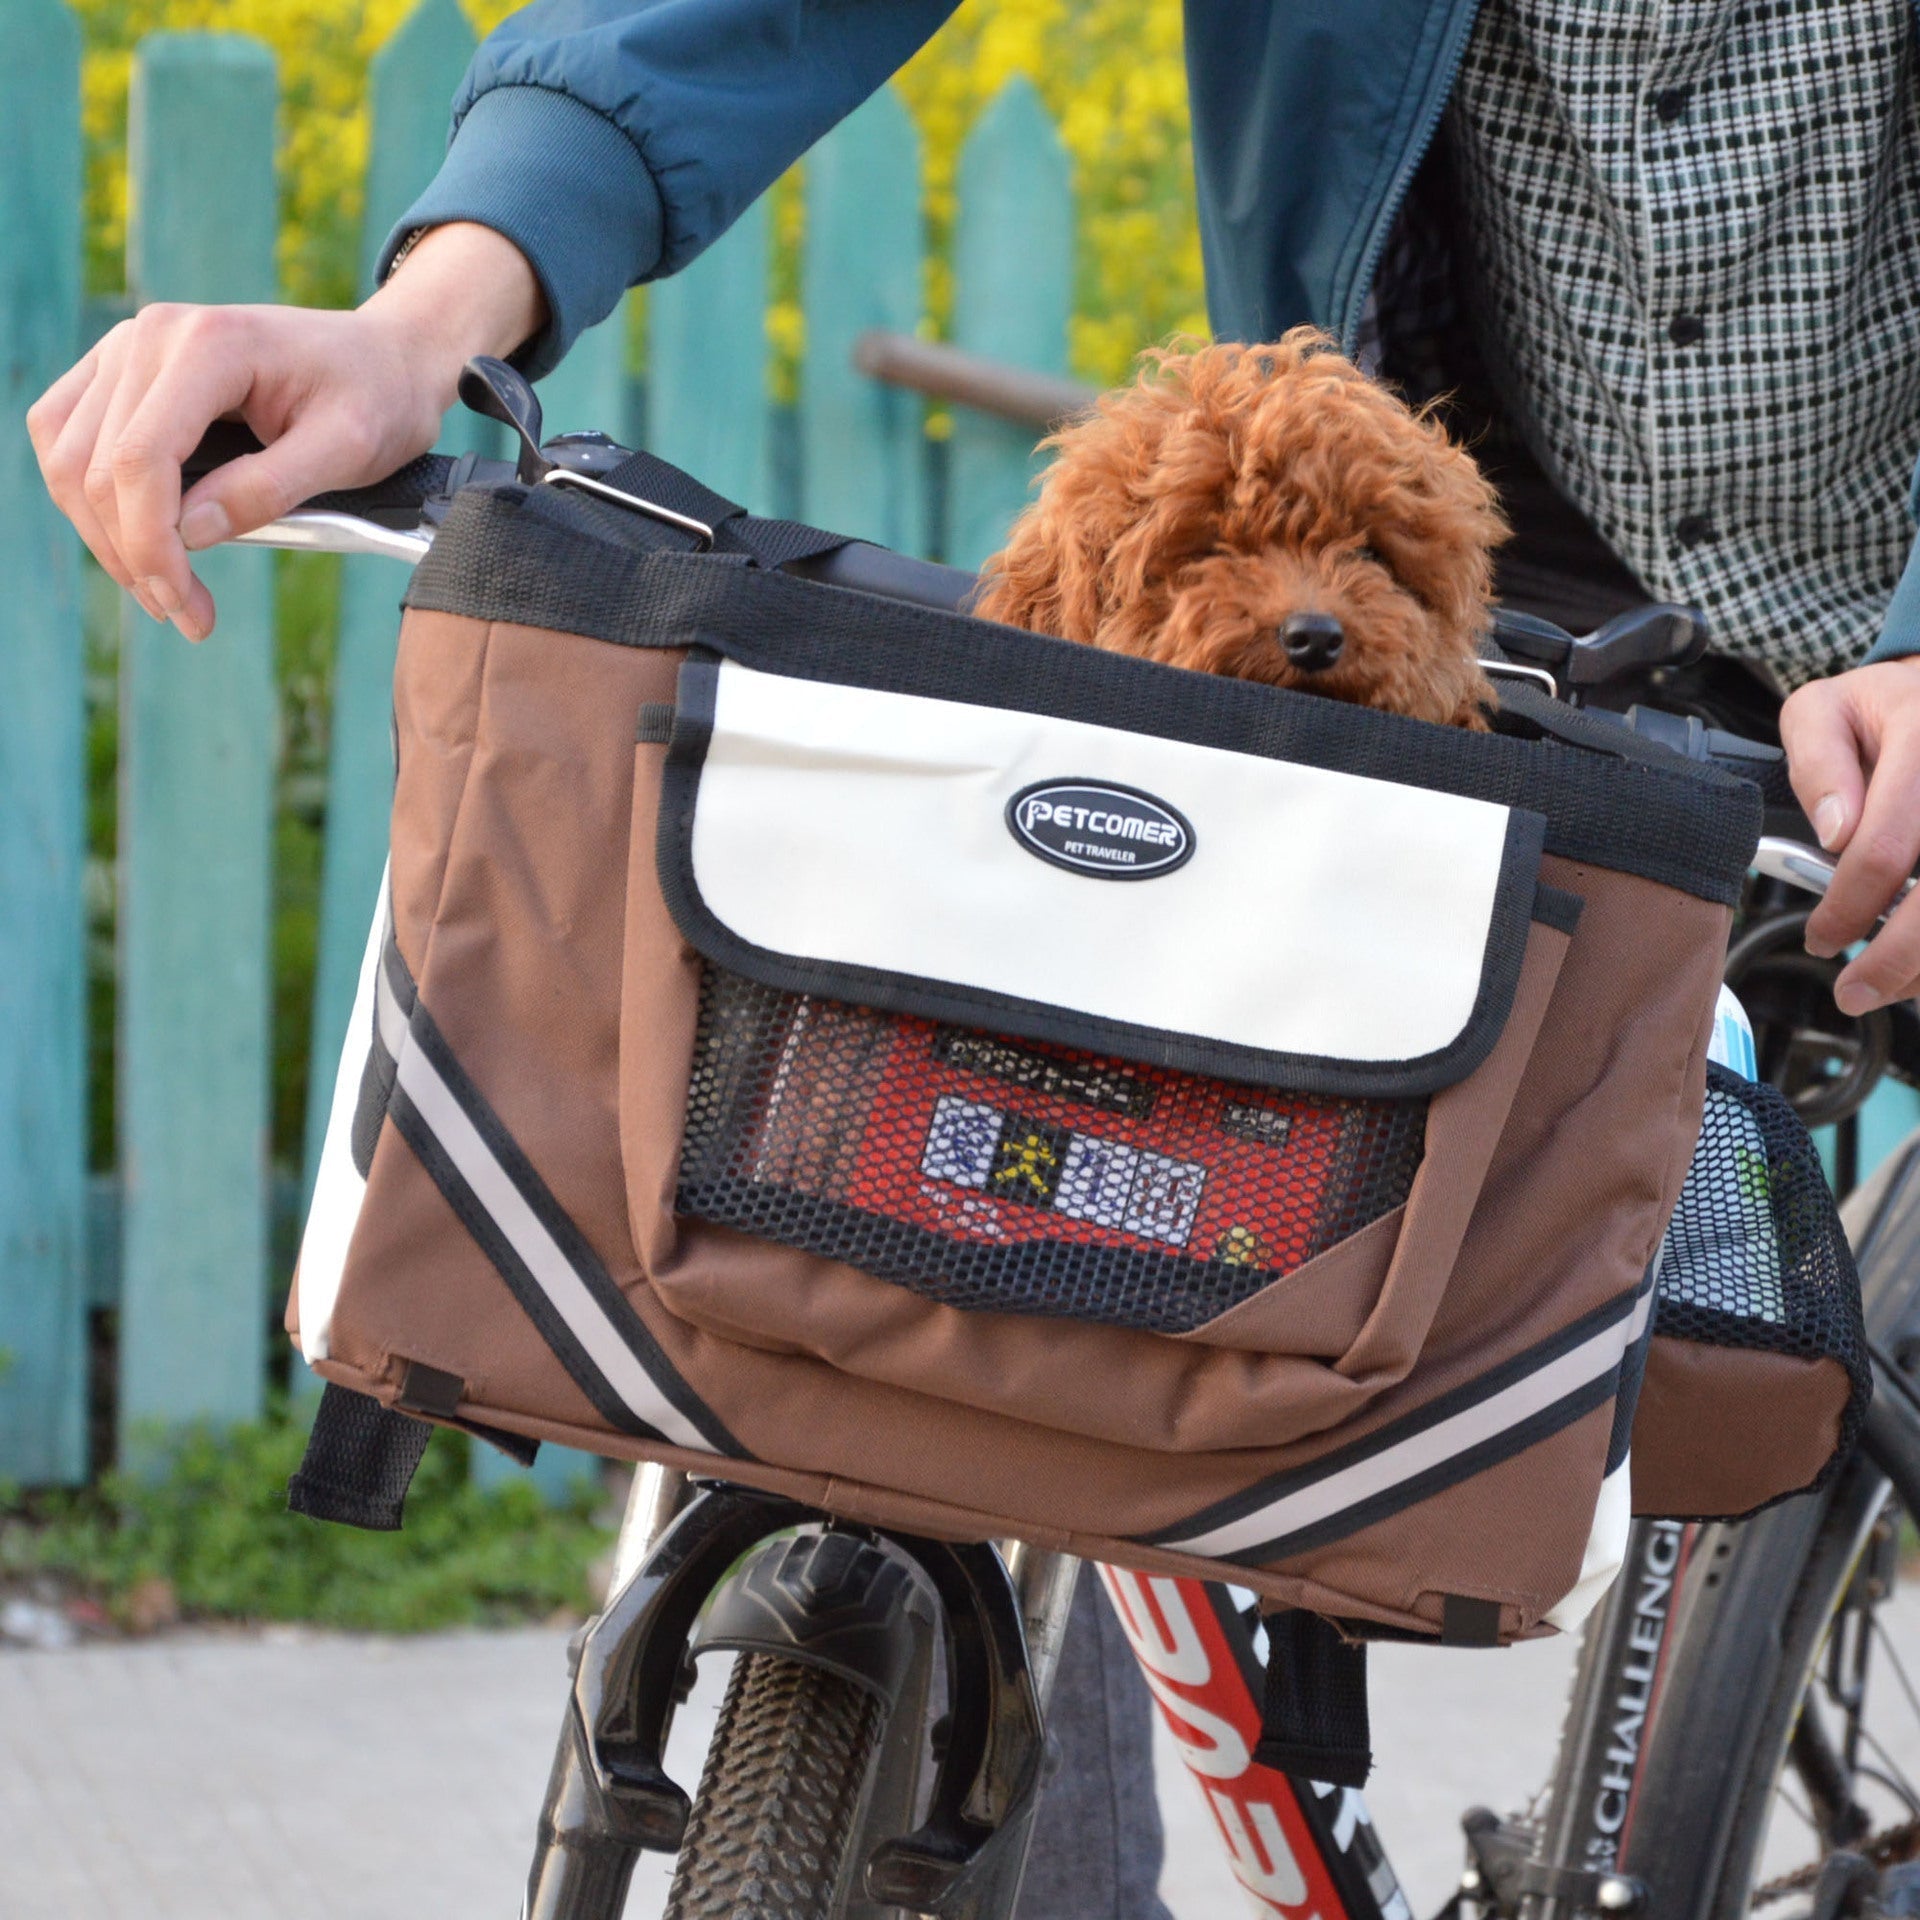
[(338, 1188), (387, 1012), (550, 1267), (1485, 1420)]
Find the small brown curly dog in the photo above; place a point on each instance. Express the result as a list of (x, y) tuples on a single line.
[(1270, 513)]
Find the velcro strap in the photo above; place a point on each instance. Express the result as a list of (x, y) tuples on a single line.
[(359, 1463), (1314, 1724)]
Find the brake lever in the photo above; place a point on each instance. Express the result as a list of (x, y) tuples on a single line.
[(1638, 640), (1807, 868)]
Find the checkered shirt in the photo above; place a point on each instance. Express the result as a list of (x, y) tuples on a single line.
[(1691, 234)]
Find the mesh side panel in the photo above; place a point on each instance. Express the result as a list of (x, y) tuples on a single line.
[(1013, 1177), (1755, 1254)]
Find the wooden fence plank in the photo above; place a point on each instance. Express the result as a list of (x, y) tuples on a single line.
[(197, 744), (1013, 292), (411, 86), (43, 1389), (587, 391), (707, 403), (863, 465)]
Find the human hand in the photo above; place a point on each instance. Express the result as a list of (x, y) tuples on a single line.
[(1853, 754), (339, 399)]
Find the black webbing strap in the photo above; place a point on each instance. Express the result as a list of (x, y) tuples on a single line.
[(1576, 727), (359, 1463), (771, 542), (361, 1456), (1314, 1723)]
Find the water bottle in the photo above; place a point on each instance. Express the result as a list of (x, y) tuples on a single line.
[(1722, 1252)]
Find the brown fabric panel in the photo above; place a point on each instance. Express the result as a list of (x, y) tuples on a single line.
[(1601, 1131), (436, 708), (1721, 1430), (1318, 1308), (1395, 1575), (1465, 1124), (1515, 1533), (418, 1287), (522, 971)]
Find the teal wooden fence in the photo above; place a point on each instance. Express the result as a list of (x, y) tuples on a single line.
[(181, 1236)]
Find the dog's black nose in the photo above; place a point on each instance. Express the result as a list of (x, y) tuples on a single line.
[(1313, 641)]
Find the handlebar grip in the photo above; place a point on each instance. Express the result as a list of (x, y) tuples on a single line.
[(223, 442), (423, 478), (396, 501)]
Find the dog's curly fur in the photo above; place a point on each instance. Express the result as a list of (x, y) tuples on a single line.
[(1229, 487)]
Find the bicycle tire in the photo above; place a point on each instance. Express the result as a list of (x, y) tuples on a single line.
[(1751, 1629), (1754, 1618), (768, 1835)]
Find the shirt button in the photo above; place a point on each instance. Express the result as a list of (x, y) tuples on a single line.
[(1686, 330), (1671, 102), (1694, 530)]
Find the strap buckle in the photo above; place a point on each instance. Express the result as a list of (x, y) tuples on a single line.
[(565, 477)]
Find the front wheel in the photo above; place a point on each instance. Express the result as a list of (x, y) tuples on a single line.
[(779, 1795), (1762, 1759)]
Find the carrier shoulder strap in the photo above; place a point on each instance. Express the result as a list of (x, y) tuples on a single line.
[(1314, 1721)]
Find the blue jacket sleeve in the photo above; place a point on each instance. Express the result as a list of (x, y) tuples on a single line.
[(1900, 629), (611, 140)]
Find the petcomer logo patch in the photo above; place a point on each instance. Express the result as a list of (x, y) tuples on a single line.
[(1090, 826)]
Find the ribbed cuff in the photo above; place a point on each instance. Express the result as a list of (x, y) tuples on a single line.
[(567, 187)]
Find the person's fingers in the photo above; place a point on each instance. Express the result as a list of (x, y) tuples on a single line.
[(1888, 968), (194, 386), (65, 465), (1880, 855), (101, 484), (1826, 759), (325, 448), (49, 414)]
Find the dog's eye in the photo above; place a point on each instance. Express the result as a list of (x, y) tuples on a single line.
[(1369, 554)]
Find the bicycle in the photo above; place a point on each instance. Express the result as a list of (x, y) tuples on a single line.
[(880, 1747)]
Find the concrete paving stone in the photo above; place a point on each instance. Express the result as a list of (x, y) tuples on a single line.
[(298, 1776)]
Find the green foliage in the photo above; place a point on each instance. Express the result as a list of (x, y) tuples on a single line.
[(214, 1524)]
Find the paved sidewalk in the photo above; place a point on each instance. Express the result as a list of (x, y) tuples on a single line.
[(294, 1776)]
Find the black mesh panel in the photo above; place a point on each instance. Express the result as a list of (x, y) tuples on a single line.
[(1015, 1177), (1755, 1255), (359, 1463)]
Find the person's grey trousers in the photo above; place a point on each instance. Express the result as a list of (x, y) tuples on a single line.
[(1097, 1840)]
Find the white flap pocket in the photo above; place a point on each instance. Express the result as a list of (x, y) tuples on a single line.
[(1210, 910)]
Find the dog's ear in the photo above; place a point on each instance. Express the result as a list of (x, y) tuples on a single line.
[(1443, 523), (1055, 574), (1040, 579)]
